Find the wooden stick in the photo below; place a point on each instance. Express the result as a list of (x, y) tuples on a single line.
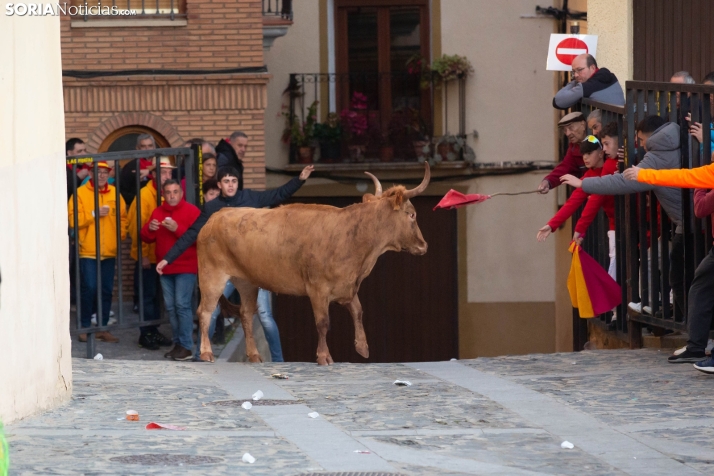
[(514, 193)]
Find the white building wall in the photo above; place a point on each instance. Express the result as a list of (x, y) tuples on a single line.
[(36, 371)]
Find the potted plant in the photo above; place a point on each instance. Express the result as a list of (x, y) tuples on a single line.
[(302, 135), (450, 67), (329, 136), (417, 65), (354, 126)]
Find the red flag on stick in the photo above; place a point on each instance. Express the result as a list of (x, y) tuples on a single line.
[(592, 290), (454, 199)]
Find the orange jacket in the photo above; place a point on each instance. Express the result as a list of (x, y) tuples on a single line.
[(148, 205), (107, 224), (700, 177)]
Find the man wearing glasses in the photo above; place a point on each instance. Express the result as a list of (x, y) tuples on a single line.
[(589, 81)]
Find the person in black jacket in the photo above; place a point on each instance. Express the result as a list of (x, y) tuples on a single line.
[(231, 196), (231, 152)]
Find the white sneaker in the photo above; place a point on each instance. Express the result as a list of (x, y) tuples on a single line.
[(710, 346), (635, 306), (681, 350), (647, 310)]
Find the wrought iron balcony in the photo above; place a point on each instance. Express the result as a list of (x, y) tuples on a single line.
[(278, 8), (370, 117)]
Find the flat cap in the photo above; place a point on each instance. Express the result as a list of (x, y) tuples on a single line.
[(570, 118)]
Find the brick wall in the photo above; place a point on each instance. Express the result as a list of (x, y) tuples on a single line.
[(218, 34)]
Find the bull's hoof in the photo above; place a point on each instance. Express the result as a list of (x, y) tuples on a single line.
[(325, 360), (208, 357), (255, 359), (362, 349)]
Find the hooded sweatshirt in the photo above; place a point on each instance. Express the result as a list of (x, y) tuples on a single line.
[(662, 153), (107, 224), (602, 86)]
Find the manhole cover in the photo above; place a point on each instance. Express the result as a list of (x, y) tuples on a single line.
[(166, 460), (262, 403), (351, 474)]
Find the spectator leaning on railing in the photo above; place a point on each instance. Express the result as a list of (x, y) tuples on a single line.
[(166, 225), (701, 297), (573, 125), (107, 245), (589, 81), (661, 143)]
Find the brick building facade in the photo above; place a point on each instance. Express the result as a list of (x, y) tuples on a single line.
[(196, 73)]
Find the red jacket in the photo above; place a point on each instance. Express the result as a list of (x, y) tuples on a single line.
[(607, 202), (704, 204), (184, 214), (572, 164)]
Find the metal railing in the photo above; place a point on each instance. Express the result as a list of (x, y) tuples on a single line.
[(650, 285), (186, 168), (279, 8), (397, 114)]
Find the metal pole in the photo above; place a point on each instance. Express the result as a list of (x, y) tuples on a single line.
[(98, 255), (139, 251), (118, 200)]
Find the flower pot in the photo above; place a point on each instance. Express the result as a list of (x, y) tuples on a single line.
[(447, 151), (356, 152), (386, 153), (330, 151), (419, 146), (305, 155)]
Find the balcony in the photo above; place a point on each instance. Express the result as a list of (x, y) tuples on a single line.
[(342, 121), (277, 18)]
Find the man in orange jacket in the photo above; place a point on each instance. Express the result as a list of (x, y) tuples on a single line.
[(88, 254)]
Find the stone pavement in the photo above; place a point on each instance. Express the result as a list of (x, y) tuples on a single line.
[(626, 412)]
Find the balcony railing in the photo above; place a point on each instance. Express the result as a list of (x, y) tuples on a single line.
[(371, 117), (649, 259), (278, 8)]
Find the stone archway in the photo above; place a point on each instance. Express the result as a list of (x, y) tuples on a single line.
[(100, 139)]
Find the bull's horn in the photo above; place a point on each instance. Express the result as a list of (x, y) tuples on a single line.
[(377, 185), (422, 186)]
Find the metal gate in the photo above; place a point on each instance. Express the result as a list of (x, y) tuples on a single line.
[(188, 163)]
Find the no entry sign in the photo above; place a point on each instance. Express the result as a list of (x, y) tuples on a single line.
[(564, 48)]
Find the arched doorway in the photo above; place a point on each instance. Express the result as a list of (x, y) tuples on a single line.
[(124, 138)]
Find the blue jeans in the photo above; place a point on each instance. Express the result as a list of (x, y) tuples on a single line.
[(88, 277), (178, 297), (265, 314)]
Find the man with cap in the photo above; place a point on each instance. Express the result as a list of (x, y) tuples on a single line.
[(575, 130), (88, 254), (150, 337)]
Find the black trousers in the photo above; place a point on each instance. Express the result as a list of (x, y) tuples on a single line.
[(701, 304)]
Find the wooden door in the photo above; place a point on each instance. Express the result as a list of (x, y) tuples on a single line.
[(409, 302), (671, 36), (374, 40)]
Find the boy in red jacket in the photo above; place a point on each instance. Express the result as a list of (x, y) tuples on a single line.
[(597, 165), (167, 223)]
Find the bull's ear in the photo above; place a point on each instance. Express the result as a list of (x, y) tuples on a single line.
[(397, 199), (368, 197)]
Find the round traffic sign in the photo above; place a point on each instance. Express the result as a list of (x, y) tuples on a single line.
[(569, 48)]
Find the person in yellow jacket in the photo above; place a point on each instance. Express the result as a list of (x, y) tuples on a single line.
[(88, 253), (150, 337)]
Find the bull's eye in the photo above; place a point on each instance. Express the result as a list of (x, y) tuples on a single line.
[(412, 216)]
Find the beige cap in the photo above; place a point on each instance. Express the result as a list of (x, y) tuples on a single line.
[(165, 163), (570, 118)]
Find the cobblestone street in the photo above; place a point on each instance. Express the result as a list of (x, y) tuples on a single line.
[(626, 412)]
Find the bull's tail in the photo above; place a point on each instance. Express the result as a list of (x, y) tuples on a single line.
[(229, 307)]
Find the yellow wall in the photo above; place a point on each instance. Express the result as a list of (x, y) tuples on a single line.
[(612, 21), (36, 368)]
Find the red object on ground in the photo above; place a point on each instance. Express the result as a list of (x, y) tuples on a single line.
[(162, 426), (454, 199)]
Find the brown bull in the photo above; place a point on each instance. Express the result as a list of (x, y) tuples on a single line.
[(318, 251)]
